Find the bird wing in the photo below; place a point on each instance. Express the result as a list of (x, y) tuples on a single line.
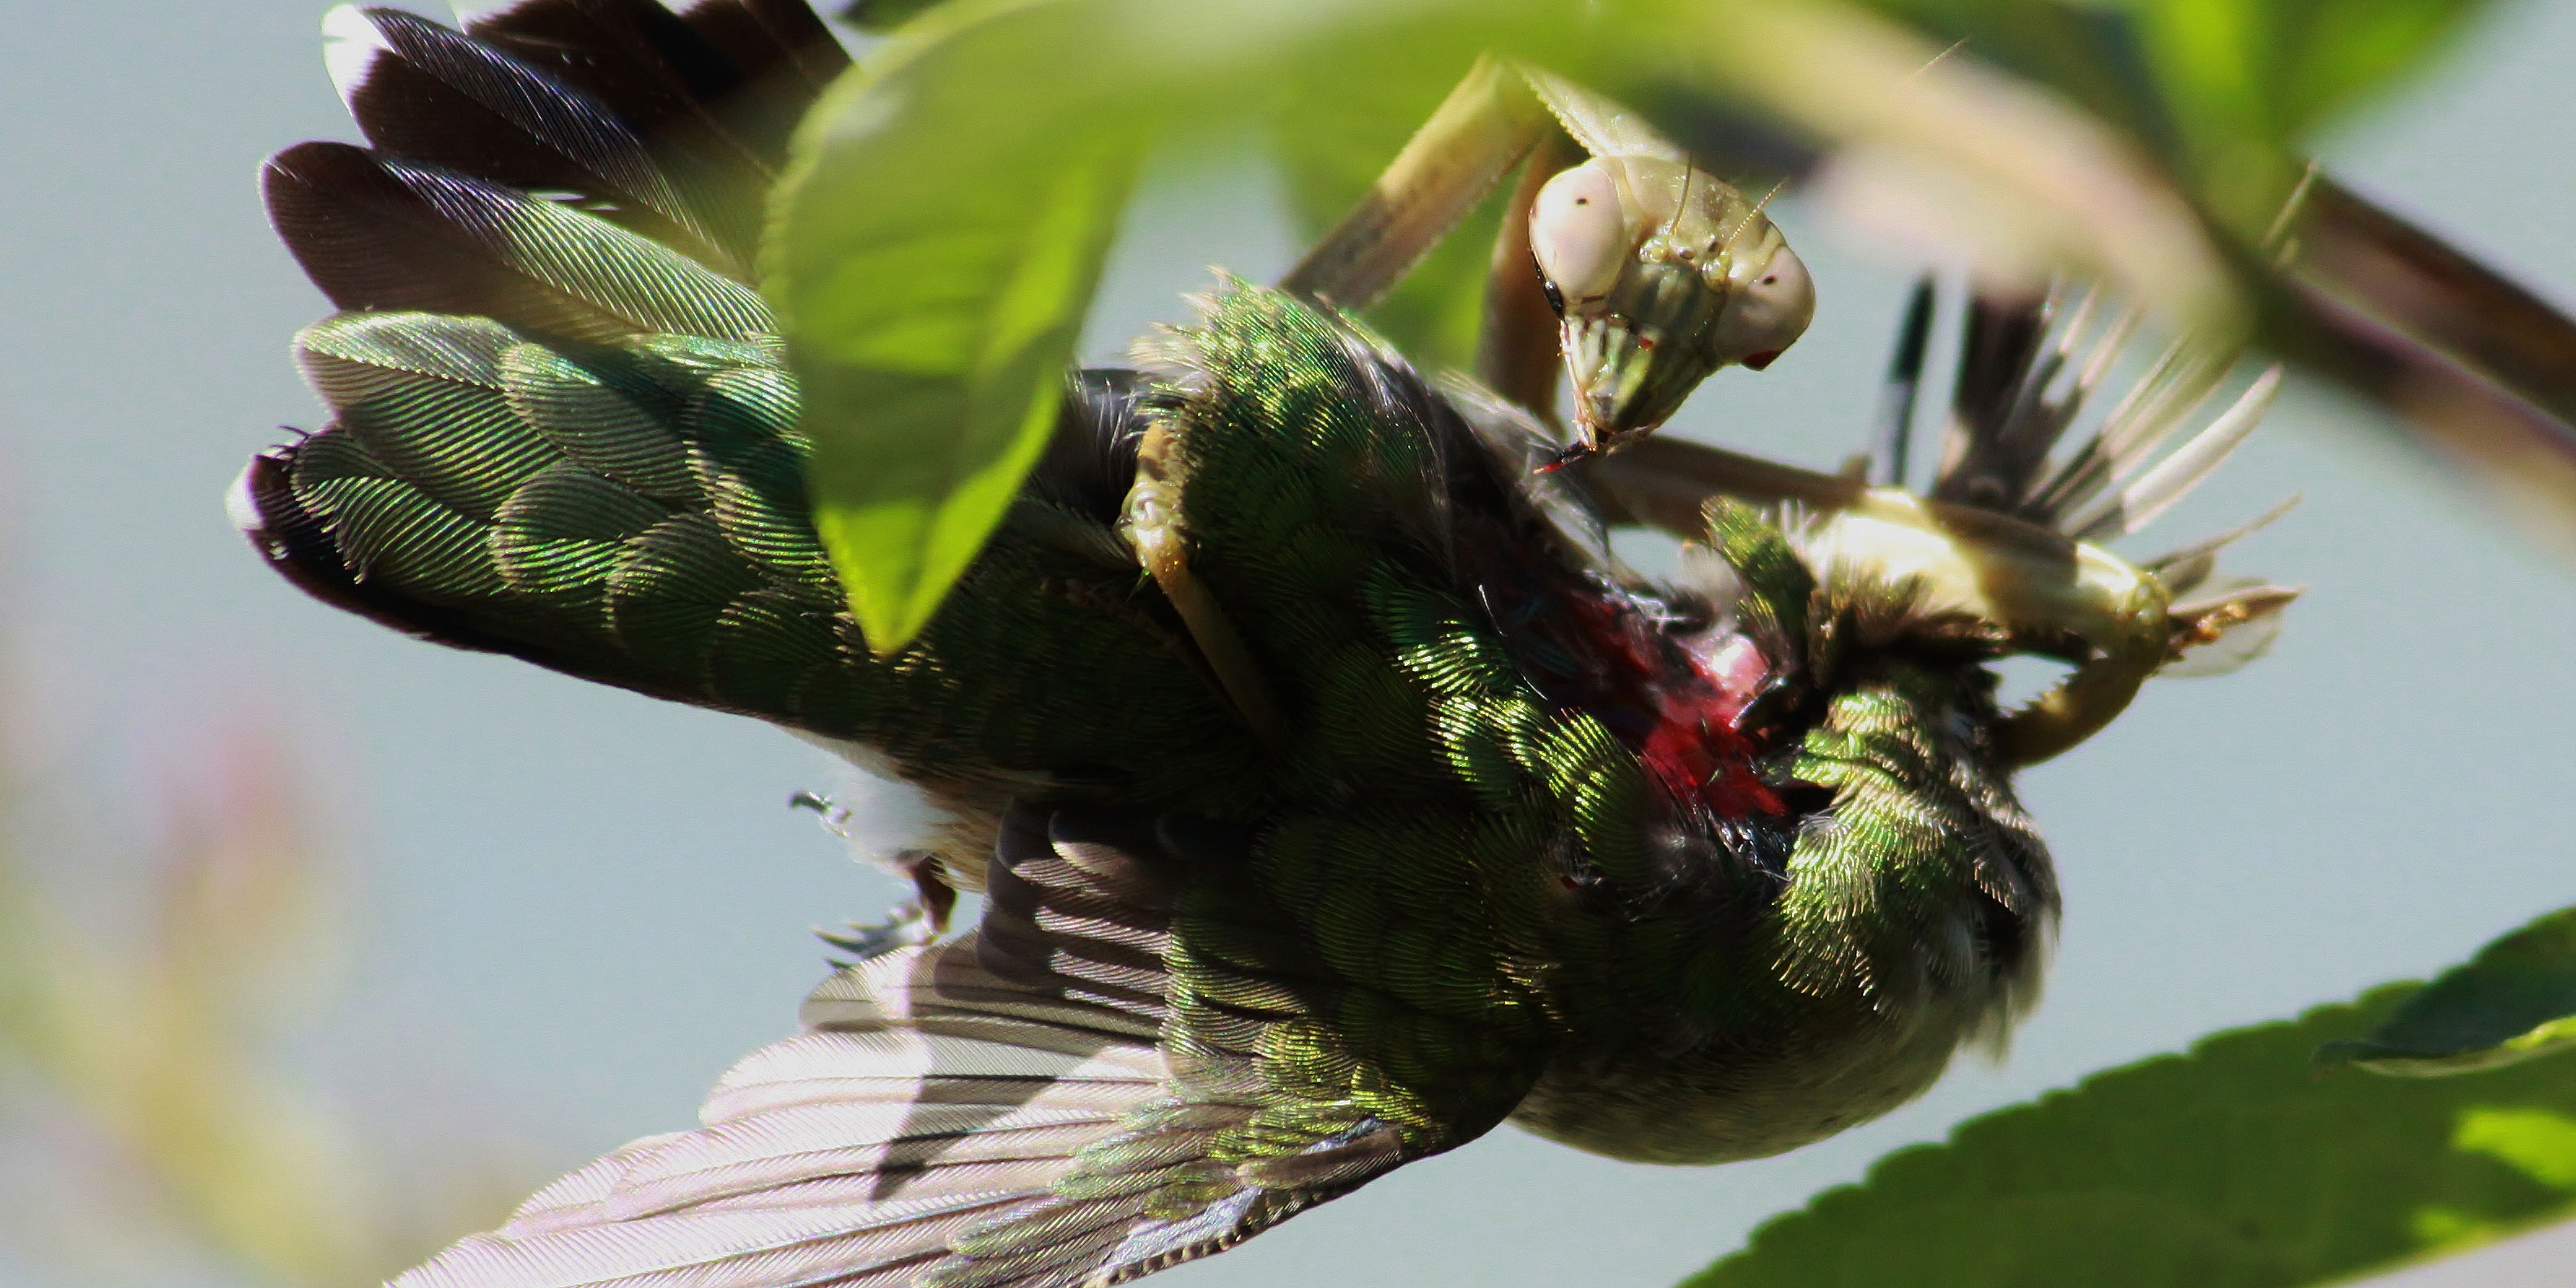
[(562, 426), (926, 1096), (671, 124), (1090, 1087), (584, 453)]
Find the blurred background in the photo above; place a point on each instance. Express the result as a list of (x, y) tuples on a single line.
[(319, 946)]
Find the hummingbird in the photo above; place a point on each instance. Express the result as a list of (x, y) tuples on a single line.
[(1335, 794)]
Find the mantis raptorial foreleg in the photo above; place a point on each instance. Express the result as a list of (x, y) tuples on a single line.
[(1657, 272), (1476, 136)]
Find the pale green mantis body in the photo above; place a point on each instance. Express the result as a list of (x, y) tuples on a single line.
[(1637, 275)]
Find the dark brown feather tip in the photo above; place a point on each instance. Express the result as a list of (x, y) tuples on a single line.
[(301, 548)]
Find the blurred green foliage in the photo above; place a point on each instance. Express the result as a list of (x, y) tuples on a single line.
[(164, 1038), (930, 331), (2228, 92), (1331, 137)]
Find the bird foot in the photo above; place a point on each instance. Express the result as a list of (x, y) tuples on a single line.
[(907, 925), (834, 818), (915, 921)]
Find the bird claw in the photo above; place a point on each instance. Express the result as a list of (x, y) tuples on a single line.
[(907, 925), (834, 818)]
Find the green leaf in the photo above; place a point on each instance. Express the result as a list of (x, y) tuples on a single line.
[(2091, 53), (2515, 1000), (938, 237), (2278, 68), (2236, 1165), (935, 252), (2230, 91), (2249, 82)]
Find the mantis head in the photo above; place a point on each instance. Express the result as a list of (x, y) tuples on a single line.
[(1661, 274)]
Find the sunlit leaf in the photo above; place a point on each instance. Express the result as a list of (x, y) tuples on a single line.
[(939, 236), (935, 254), (2513, 1001), (2235, 1165)]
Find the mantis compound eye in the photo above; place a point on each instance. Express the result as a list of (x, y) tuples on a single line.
[(1767, 312), (1579, 233)]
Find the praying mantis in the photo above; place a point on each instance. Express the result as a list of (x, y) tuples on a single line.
[(1644, 272), (1637, 275)]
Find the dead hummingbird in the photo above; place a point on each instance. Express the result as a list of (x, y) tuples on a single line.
[(1335, 795)]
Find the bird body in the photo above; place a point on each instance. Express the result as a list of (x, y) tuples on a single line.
[(1335, 794)]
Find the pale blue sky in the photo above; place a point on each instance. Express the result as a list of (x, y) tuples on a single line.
[(576, 907)]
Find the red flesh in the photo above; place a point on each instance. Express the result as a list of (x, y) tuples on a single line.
[(1674, 705)]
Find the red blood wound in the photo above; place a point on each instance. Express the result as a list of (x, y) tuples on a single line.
[(1675, 706)]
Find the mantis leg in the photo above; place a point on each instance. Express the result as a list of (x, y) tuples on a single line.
[(1604, 128), (1494, 118), (1662, 483), (1479, 133)]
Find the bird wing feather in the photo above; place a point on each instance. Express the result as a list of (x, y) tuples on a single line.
[(1036, 1104)]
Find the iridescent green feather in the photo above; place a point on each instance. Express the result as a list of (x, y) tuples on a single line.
[(637, 508)]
